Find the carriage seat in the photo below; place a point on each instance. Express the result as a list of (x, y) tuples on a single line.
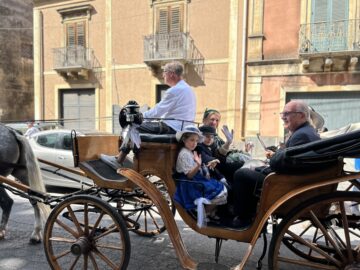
[(87, 150), (158, 138), (101, 169), (103, 175)]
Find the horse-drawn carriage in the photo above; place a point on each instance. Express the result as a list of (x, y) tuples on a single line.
[(312, 220)]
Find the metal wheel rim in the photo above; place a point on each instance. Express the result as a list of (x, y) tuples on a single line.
[(335, 252), (94, 228)]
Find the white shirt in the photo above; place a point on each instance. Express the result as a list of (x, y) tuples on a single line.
[(179, 102), (185, 161), (31, 131)]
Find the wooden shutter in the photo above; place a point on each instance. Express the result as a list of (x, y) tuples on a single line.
[(329, 10), (170, 20), (339, 10), (163, 21), (70, 35), (80, 33), (75, 34), (175, 19), (320, 11)]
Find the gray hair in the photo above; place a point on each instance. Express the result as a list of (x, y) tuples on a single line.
[(175, 67), (301, 106)]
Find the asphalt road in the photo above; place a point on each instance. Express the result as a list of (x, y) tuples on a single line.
[(146, 253)]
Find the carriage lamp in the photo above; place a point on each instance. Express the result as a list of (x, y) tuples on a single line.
[(130, 114)]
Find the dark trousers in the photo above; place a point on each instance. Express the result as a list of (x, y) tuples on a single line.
[(152, 128), (228, 169), (247, 188)]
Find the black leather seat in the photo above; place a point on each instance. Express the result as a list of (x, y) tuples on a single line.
[(316, 155), (158, 138)]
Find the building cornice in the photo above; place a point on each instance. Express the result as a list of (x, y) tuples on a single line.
[(274, 61)]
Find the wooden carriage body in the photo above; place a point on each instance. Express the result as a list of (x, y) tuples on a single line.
[(157, 157)]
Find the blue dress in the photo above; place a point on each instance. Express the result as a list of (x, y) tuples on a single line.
[(187, 192)]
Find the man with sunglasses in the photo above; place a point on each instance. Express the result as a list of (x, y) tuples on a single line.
[(248, 183)]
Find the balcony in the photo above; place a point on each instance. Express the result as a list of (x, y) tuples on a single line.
[(162, 48), (330, 46), (74, 61)]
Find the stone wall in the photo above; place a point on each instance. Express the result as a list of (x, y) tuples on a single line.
[(16, 61)]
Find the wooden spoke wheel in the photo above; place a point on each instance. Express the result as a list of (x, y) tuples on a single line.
[(84, 232), (140, 209), (323, 233)]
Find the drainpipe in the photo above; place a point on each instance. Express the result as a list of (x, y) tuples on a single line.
[(38, 60), (243, 69)]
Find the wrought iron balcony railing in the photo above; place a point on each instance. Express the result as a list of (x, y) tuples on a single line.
[(336, 36), (173, 46), (73, 58)]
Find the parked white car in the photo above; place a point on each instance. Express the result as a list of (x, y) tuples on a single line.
[(56, 146)]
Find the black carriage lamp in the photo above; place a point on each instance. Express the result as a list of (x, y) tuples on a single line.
[(130, 114)]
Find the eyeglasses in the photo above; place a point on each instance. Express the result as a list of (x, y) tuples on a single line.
[(286, 114)]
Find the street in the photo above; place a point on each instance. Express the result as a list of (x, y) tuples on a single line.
[(146, 253)]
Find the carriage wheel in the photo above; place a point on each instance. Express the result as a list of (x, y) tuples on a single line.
[(84, 232), (140, 209), (322, 233)]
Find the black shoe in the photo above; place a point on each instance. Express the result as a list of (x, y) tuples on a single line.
[(230, 210), (240, 223)]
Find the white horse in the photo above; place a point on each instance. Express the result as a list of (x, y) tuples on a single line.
[(17, 159)]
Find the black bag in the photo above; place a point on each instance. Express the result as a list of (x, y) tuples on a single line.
[(316, 155)]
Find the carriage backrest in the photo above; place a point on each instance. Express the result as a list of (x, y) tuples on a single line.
[(316, 155), (278, 185), (89, 147)]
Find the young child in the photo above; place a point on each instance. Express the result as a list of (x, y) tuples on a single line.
[(207, 150), (200, 192)]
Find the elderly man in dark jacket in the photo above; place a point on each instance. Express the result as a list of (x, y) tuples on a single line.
[(248, 183)]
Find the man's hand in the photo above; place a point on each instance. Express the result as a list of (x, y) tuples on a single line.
[(229, 135), (212, 164), (269, 154), (249, 146)]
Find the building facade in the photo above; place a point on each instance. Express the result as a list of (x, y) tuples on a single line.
[(302, 49), (90, 56), (16, 63)]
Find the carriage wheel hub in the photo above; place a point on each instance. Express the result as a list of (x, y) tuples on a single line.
[(81, 246)]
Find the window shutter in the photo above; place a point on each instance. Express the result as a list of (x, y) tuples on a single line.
[(80, 33), (320, 11), (170, 20), (163, 26), (339, 10), (175, 23), (70, 35)]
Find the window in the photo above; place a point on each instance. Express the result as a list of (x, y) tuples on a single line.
[(75, 20), (66, 142), (169, 31), (75, 34), (160, 91), (170, 19), (329, 25)]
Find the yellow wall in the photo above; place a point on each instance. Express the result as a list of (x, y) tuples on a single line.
[(115, 33)]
